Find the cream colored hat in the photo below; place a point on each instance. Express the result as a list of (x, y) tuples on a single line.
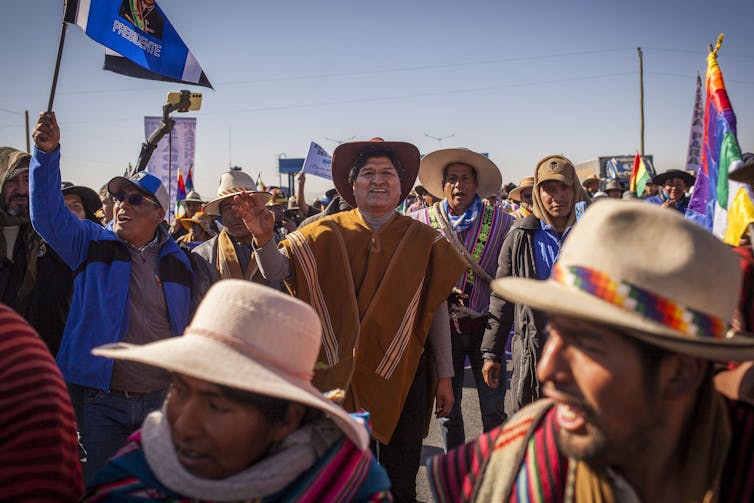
[(249, 337), (515, 194), (233, 183), (433, 165), (674, 287)]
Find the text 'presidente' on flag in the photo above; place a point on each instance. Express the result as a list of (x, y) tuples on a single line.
[(136, 39)]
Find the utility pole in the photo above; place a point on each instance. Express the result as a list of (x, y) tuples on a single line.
[(641, 98), (439, 138), (339, 141)]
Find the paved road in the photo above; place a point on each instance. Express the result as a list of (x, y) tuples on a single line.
[(433, 443)]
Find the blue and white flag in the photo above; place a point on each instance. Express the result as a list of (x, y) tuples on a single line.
[(318, 162), (140, 32)]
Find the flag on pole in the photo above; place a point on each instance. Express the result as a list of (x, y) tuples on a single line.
[(180, 195), (318, 162), (717, 203), (639, 176), (696, 135), (190, 179), (261, 187), (143, 42)]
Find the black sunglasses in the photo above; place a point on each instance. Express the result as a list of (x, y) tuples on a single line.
[(134, 199)]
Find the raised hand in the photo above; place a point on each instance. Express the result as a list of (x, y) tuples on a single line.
[(256, 217), (46, 132)]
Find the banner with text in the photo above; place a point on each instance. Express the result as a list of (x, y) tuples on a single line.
[(175, 151), (318, 162)]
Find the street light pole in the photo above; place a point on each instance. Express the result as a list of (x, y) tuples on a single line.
[(439, 138), (340, 141)]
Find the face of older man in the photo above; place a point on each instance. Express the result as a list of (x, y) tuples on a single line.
[(459, 186), (16, 194), (377, 187), (232, 221), (136, 222)]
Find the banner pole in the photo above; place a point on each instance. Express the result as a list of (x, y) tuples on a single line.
[(57, 66)]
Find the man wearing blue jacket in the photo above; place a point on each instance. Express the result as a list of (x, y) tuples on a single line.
[(132, 284)]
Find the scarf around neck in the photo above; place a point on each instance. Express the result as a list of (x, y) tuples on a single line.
[(281, 466), (228, 265), (462, 222)]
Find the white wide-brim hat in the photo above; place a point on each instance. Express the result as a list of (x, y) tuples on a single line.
[(232, 183), (433, 165), (248, 337), (637, 266)]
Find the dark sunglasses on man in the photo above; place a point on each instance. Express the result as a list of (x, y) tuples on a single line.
[(134, 199)]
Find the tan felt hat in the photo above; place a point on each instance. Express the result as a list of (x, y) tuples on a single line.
[(433, 166)]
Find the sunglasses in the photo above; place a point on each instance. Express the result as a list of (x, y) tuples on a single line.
[(134, 199)]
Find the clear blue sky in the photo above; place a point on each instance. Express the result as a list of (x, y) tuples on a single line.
[(516, 79)]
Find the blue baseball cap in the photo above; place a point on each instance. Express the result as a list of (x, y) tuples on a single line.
[(148, 184)]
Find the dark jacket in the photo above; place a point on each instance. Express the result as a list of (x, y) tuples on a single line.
[(517, 260)]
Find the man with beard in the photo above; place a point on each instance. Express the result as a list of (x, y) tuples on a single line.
[(132, 284), (34, 281), (632, 413)]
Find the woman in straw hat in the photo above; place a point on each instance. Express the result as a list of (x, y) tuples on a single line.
[(242, 420), (529, 251)]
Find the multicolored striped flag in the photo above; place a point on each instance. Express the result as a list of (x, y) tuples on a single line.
[(639, 176), (190, 179), (718, 203), (180, 195)]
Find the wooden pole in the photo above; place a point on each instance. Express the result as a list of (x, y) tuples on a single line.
[(28, 142), (641, 99), (57, 66)]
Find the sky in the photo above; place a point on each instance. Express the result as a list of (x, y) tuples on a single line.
[(517, 80)]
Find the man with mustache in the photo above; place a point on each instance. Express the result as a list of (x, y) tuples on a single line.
[(632, 413), (132, 284), (34, 280), (529, 251)]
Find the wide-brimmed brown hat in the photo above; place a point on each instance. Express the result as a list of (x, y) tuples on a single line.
[(344, 157), (433, 166), (675, 286), (200, 218), (232, 183), (525, 183), (248, 337), (588, 179), (673, 173)]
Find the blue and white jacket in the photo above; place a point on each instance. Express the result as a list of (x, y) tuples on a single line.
[(101, 264)]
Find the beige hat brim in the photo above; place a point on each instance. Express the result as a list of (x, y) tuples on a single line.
[(432, 166), (213, 207), (515, 194), (214, 361), (555, 298)]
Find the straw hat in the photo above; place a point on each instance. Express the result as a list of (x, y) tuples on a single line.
[(232, 183), (228, 343), (525, 183), (277, 197), (433, 165), (675, 287), (344, 157), (614, 184), (589, 179), (193, 197), (200, 218)]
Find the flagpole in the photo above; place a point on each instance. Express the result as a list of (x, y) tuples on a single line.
[(57, 66), (641, 97)]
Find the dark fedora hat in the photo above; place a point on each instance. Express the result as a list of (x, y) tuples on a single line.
[(89, 198), (345, 156), (673, 173)]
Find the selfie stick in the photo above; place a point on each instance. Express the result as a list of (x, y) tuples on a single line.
[(57, 66), (166, 125)]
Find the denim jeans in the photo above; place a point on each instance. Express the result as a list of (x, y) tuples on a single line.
[(490, 400), (106, 420)]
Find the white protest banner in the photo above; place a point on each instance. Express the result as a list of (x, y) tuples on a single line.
[(175, 151), (318, 162), (694, 156)]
